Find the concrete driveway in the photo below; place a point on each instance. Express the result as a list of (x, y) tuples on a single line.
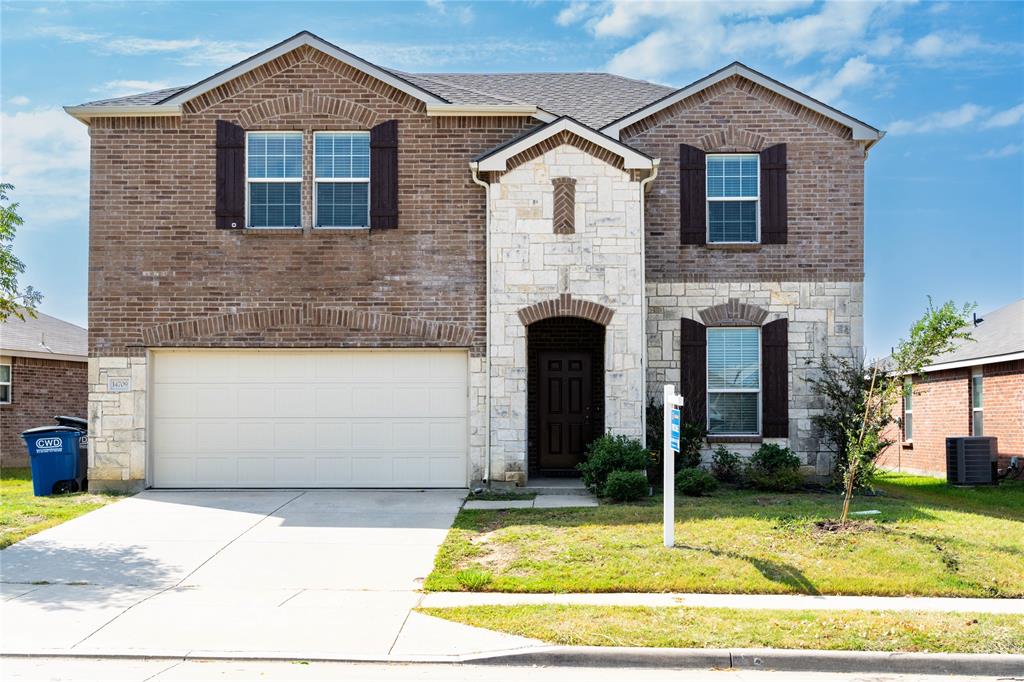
[(297, 573)]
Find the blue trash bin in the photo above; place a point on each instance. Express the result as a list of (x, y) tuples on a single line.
[(54, 452)]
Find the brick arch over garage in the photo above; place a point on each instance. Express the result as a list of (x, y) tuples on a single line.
[(307, 102), (566, 306), (350, 319)]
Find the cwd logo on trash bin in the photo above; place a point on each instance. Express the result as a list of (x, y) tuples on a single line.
[(49, 444)]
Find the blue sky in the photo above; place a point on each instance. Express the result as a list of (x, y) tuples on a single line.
[(945, 188)]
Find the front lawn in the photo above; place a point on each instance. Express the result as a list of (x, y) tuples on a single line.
[(737, 541), (746, 628), (22, 514), (1005, 499)]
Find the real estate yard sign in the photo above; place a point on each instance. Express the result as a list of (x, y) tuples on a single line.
[(672, 404)]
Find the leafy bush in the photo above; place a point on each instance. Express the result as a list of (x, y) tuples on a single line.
[(726, 465), (612, 453), (473, 578), (691, 440), (773, 467), (626, 486), (695, 482)]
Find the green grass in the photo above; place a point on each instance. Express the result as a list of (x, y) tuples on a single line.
[(738, 628), (1006, 499), (737, 541), (22, 514)]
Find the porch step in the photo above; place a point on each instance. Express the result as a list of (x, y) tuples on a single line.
[(555, 486)]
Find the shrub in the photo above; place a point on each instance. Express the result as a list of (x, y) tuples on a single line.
[(725, 465), (695, 482), (773, 467), (691, 440), (626, 486), (612, 453)]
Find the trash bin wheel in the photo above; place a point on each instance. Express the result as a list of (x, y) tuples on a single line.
[(65, 487)]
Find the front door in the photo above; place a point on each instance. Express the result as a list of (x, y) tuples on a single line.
[(565, 409)]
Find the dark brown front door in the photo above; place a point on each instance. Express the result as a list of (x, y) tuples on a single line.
[(565, 408)]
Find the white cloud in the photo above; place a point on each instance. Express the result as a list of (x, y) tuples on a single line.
[(940, 120), (671, 36), (944, 44), (45, 155), (1004, 119), (572, 13), (461, 12), (188, 51), (1001, 152), (19, 100), (119, 88), (857, 71)]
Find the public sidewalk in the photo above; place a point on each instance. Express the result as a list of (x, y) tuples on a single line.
[(735, 601)]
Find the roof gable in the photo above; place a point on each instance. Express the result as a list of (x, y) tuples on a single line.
[(860, 131), (43, 336), (497, 158)]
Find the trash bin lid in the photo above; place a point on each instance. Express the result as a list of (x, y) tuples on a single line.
[(51, 429), (77, 422)]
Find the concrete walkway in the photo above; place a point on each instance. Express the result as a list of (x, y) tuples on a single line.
[(539, 502), (735, 601), (277, 572)]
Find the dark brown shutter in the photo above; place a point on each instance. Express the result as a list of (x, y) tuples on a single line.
[(693, 353), (774, 212), (384, 175), (230, 175), (692, 198), (775, 379)]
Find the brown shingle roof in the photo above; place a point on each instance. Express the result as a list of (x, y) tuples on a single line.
[(42, 334)]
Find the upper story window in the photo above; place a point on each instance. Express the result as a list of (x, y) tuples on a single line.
[(274, 179), (733, 195), (341, 169), (5, 383), (977, 403), (908, 410), (734, 380)]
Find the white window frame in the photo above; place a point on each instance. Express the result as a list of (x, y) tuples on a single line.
[(708, 200), (249, 181), (9, 384), (318, 180), (979, 375), (908, 391), (708, 390)]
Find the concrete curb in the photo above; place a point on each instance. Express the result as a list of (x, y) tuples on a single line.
[(786, 660), (790, 660)]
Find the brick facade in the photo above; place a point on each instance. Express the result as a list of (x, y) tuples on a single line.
[(942, 408), (40, 389)]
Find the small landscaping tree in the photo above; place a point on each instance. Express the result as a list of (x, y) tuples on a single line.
[(938, 331)]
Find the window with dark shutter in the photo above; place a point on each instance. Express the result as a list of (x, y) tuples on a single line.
[(692, 367), (384, 175), (692, 208), (775, 381), (230, 200), (774, 211)]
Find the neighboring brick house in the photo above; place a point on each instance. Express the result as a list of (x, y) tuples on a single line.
[(43, 364), (975, 390), (310, 270)]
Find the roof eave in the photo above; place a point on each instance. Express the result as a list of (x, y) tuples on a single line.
[(489, 110), (85, 113), (43, 355), (860, 131)]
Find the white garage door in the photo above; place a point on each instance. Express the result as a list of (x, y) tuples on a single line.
[(308, 418)]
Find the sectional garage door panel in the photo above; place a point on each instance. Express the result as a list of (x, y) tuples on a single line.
[(309, 419)]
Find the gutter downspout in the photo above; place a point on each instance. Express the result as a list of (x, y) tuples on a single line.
[(474, 168), (644, 188)]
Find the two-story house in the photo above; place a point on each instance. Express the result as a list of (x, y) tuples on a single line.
[(310, 270)]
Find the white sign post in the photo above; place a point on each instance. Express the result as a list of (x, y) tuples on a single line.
[(672, 404)]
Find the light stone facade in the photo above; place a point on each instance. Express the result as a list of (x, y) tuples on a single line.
[(601, 263), (824, 317), (117, 424)]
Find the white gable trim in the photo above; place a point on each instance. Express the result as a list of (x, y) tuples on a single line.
[(498, 159), (861, 130), (296, 41)]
